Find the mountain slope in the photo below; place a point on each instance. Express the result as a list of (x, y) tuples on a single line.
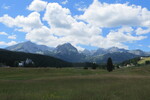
[(115, 49), (117, 57), (87, 52), (138, 52), (68, 53), (100, 51), (29, 47)]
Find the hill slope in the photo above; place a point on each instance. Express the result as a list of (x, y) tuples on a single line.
[(10, 58), (143, 60)]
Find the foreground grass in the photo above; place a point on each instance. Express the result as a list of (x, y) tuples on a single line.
[(74, 84)]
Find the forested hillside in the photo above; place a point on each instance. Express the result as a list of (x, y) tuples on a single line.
[(12, 59)]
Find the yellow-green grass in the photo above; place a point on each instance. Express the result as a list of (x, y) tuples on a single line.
[(74, 84), (142, 61)]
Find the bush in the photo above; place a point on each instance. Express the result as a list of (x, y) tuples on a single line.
[(147, 62), (85, 67), (91, 65)]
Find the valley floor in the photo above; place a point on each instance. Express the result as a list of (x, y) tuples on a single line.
[(74, 84)]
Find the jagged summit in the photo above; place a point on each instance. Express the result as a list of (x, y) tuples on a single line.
[(66, 48)]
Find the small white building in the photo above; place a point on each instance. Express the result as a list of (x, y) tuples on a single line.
[(26, 62), (29, 61), (21, 64)]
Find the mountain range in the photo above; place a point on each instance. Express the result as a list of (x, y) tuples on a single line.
[(69, 53)]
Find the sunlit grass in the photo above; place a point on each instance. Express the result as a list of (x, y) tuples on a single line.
[(142, 61)]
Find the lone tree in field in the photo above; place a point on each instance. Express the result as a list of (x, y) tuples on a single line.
[(110, 66)]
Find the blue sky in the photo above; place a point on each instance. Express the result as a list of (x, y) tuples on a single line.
[(86, 24)]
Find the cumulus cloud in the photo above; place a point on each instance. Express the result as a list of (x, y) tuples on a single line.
[(7, 20), (123, 35), (37, 5), (86, 29), (42, 35), (56, 16), (3, 33), (141, 31), (114, 15), (22, 23), (65, 28), (29, 22), (2, 43), (12, 37)]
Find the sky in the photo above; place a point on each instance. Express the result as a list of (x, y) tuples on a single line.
[(86, 24)]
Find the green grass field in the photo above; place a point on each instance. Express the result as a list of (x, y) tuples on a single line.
[(74, 84)]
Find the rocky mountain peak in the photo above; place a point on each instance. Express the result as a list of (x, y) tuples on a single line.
[(66, 48), (29, 47)]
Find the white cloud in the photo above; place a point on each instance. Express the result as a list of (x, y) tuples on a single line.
[(29, 22), (2, 43), (5, 7), (24, 24), (37, 5), (81, 6), (11, 43), (123, 35), (141, 31), (42, 35), (81, 9), (3, 33), (12, 37), (126, 29), (114, 15), (56, 16), (63, 27), (65, 2), (140, 45), (79, 48), (7, 20)]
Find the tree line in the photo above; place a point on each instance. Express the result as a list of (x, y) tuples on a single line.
[(11, 59)]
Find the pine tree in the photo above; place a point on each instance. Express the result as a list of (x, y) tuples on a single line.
[(110, 66)]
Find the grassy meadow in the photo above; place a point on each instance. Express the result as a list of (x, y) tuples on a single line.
[(74, 84), (142, 61)]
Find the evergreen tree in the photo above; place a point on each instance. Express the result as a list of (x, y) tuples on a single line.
[(110, 66), (147, 62)]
